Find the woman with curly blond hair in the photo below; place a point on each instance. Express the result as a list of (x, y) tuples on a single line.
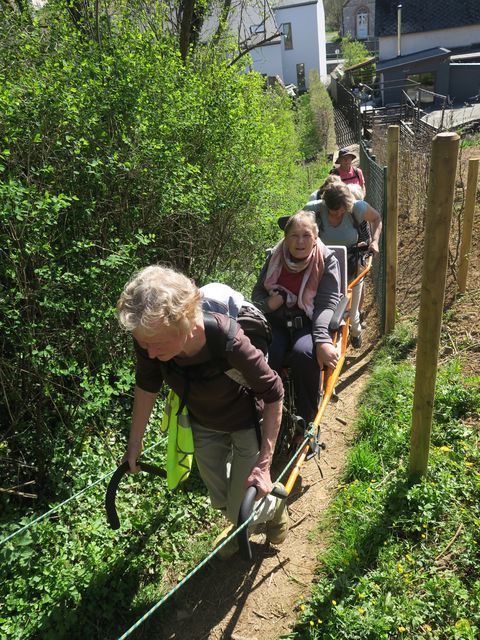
[(164, 312)]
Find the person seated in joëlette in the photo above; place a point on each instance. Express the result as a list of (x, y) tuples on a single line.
[(298, 289)]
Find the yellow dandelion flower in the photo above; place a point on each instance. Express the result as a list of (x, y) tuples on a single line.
[(361, 610), (334, 602), (319, 621), (402, 629), (427, 627), (302, 607), (311, 623)]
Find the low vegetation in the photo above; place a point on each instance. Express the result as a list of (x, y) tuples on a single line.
[(115, 152), (315, 120), (404, 561)]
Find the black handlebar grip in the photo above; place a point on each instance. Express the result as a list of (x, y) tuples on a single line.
[(279, 491), (112, 515), (244, 513)]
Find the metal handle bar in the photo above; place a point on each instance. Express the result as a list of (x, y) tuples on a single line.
[(245, 512), (362, 273), (112, 515)]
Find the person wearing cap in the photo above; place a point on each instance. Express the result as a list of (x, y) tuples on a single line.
[(345, 170)]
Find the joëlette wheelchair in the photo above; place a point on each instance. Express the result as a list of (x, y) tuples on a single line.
[(303, 442)]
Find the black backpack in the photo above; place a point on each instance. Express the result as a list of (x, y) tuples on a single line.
[(253, 322), (255, 327)]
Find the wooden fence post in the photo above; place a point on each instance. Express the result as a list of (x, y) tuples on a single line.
[(467, 229), (391, 230), (437, 230)]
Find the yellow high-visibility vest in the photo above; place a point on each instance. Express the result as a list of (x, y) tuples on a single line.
[(180, 441)]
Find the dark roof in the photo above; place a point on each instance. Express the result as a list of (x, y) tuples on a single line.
[(428, 54), (424, 15)]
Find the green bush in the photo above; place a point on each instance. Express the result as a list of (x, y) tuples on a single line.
[(354, 52), (114, 154), (315, 120), (404, 560)]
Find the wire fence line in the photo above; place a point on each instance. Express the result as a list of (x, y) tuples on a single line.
[(70, 499), (348, 129), (207, 559), (376, 186)]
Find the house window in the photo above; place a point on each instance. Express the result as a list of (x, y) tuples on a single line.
[(287, 35), (362, 24), (257, 28), (301, 75)]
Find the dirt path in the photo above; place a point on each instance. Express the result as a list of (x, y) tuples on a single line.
[(258, 601), (236, 600)]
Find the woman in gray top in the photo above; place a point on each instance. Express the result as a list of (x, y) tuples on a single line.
[(298, 290), (339, 217)]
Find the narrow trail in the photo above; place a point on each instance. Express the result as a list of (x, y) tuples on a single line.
[(236, 600)]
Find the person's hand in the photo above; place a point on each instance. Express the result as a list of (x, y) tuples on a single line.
[(327, 355), (373, 248), (260, 478), (275, 300), (134, 450)]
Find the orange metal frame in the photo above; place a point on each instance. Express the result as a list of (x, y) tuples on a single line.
[(330, 377)]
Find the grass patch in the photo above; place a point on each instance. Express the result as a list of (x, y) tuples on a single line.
[(404, 561), (71, 576)]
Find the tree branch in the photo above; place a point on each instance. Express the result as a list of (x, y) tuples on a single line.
[(253, 46)]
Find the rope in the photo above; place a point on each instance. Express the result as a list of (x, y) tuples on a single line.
[(196, 569), (62, 504)]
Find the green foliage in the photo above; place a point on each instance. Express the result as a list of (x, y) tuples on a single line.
[(333, 14), (315, 120), (354, 52), (115, 154), (405, 560)]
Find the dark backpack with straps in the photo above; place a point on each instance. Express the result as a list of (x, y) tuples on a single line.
[(219, 342), (254, 324)]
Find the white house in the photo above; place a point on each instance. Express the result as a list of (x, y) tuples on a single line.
[(285, 38)]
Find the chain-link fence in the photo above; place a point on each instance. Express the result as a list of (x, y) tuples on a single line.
[(376, 185), (349, 107)]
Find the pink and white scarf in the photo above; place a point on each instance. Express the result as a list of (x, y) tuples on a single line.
[(313, 267)]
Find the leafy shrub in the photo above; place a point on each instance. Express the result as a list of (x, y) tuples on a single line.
[(315, 120), (114, 154)]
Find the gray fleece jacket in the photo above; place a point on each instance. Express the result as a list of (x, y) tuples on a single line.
[(325, 301)]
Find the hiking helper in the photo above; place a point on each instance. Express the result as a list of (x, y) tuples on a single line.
[(298, 290), (163, 310), (339, 217), (346, 171)]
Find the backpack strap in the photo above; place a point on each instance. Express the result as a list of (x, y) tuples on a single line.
[(218, 342)]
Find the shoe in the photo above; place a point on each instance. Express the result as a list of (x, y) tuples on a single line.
[(277, 527), (229, 549), (356, 341)]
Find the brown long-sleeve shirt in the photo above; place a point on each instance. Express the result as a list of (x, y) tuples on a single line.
[(213, 399)]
